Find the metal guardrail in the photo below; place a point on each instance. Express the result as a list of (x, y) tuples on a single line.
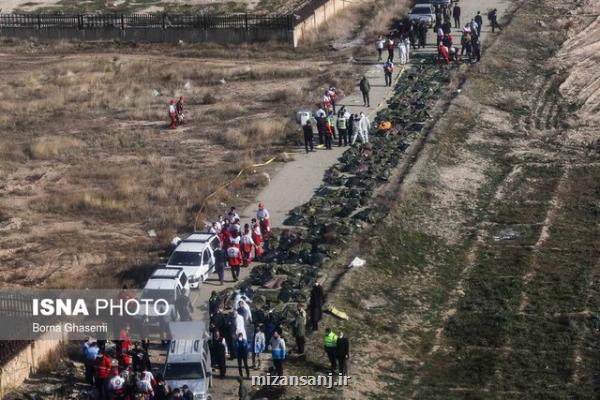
[(164, 21)]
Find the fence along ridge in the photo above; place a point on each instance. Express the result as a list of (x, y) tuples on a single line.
[(164, 21)]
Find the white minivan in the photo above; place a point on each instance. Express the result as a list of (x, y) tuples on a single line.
[(195, 254), (188, 360)]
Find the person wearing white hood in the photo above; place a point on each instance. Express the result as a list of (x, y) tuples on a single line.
[(240, 324), (246, 313), (402, 51), (363, 125), (407, 46)]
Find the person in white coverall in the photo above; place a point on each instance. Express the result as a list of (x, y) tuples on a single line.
[(363, 126), (402, 51), (407, 45)]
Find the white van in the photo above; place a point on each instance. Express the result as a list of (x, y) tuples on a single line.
[(195, 254), (188, 360), (165, 284)]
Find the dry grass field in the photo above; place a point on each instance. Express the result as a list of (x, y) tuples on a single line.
[(88, 166)]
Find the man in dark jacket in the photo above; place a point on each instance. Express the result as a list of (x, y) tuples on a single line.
[(479, 21), (493, 18), (308, 136), (321, 128), (365, 88), (220, 264), (315, 305), (342, 353), (456, 15), (422, 35), (218, 353), (213, 303)]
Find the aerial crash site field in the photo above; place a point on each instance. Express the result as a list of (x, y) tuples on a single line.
[(87, 159), (454, 245)]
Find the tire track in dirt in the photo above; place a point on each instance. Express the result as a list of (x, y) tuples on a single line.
[(458, 292), (555, 205)]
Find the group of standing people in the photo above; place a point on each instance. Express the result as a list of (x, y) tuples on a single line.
[(327, 126), (414, 35), (127, 375), (240, 334), (239, 246)]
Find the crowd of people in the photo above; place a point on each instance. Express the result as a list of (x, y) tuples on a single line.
[(239, 246), (125, 373), (327, 125), (243, 334), (413, 35)]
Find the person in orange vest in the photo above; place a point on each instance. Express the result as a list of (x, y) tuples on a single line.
[(234, 259), (256, 238), (102, 366), (173, 115), (247, 244)]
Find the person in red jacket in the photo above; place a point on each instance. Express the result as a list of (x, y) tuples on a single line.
[(443, 53), (256, 238), (102, 366), (124, 360), (247, 245), (123, 343), (225, 235), (234, 259), (173, 115)]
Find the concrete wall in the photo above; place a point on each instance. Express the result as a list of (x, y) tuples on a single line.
[(319, 16), (14, 372), (156, 35)]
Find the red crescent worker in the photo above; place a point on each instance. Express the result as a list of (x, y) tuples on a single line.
[(247, 244), (443, 53), (234, 259), (234, 239), (265, 226), (173, 115), (225, 235), (257, 238)]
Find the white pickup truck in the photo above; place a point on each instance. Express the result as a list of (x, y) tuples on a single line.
[(422, 13), (195, 255)]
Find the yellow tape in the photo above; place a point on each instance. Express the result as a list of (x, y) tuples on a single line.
[(203, 206)]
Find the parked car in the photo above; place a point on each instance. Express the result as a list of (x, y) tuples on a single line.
[(422, 12), (166, 284), (195, 254), (441, 2), (188, 360)]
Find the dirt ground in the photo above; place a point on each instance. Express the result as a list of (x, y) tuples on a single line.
[(486, 276), (89, 167)]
